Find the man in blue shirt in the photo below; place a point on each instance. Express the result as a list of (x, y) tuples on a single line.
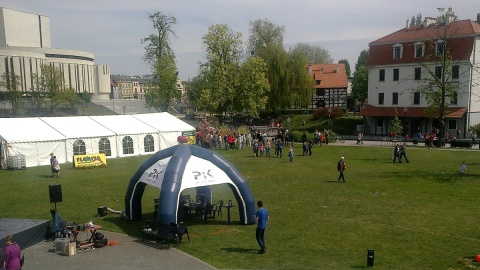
[(261, 217)]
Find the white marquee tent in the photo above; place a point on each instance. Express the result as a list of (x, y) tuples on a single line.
[(36, 138), (78, 129), (32, 138), (168, 126), (127, 127)]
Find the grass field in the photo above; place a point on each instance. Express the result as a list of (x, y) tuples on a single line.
[(420, 215)]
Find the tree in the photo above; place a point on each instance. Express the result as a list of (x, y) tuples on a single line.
[(50, 82), (360, 79), (442, 75), (396, 125), (158, 53), (347, 66), (314, 53), (220, 72), (162, 89), (300, 84), (266, 41), (362, 59), (253, 88), (10, 82)]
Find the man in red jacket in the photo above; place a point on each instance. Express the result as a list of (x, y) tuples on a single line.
[(341, 168)]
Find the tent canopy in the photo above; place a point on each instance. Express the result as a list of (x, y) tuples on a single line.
[(37, 137), (181, 167)]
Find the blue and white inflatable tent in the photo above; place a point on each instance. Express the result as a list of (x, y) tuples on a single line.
[(181, 167)]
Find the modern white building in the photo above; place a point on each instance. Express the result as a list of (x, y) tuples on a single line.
[(25, 45), (398, 64)]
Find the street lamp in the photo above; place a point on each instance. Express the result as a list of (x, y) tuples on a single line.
[(124, 107), (405, 110), (329, 112)]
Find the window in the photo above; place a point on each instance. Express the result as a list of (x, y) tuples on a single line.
[(418, 73), (381, 98), (438, 71), (127, 144), (440, 47), (416, 98), (454, 98), (318, 82), (104, 147), (452, 124), (455, 72), (79, 148), (397, 51), (394, 98), (149, 143), (419, 49), (381, 75), (396, 74)]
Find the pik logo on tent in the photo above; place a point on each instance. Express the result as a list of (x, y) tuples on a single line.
[(197, 174), (155, 174)]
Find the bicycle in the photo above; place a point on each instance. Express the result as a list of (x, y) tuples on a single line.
[(340, 139)]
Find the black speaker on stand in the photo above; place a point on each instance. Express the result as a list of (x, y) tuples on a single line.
[(55, 192)]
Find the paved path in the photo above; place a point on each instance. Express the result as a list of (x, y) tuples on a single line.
[(128, 253)]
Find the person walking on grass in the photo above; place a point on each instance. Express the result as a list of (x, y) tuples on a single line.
[(341, 168), (403, 152), (261, 217), (290, 153)]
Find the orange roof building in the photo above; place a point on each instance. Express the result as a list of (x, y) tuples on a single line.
[(330, 85)]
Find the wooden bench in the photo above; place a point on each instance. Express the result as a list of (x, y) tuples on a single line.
[(166, 233)]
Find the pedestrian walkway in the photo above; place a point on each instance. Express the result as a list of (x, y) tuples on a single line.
[(128, 253)]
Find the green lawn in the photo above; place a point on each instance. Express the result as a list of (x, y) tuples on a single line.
[(420, 215)]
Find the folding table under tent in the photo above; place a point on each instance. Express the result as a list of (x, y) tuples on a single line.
[(181, 167)]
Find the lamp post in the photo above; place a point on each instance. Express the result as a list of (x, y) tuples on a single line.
[(405, 110), (124, 107), (329, 112)]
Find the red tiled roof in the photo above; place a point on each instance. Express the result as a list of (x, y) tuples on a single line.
[(370, 110), (330, 75), (462, 35)]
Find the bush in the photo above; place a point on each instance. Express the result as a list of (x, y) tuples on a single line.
[(322, 113)]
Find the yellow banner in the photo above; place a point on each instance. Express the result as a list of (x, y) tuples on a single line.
[(92, 160)]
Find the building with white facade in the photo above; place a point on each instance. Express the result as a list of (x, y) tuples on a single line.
[(25, 45), (398, 64)]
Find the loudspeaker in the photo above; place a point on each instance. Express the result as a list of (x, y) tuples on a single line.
[(370, 257), (102, 211), (55, 191)]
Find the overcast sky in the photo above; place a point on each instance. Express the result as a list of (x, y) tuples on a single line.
[(113, 29)]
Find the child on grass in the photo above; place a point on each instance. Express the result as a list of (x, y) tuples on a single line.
[(290, 153), (463, 168)]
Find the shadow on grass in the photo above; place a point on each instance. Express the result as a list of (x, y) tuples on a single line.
[(241, 250)]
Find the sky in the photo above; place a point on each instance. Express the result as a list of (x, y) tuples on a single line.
[(113, 29)]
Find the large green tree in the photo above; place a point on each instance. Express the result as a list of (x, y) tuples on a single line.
[(313, 53), (300, 84), (161, 91), (221, 70), (360, 85), (252, 91)]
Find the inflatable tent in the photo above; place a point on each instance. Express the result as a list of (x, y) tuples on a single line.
[(181, 167)]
